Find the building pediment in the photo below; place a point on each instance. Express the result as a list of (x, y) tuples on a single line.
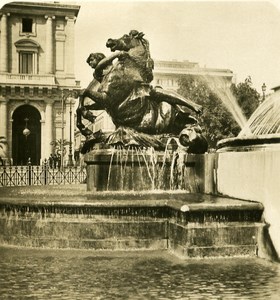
[(27, 44)]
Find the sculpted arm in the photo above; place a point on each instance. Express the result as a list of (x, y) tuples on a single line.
[(105, 62)]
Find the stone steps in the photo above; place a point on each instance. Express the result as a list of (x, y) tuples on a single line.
[(190, 226)]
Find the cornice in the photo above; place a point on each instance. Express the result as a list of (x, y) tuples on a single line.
[(40, 8)]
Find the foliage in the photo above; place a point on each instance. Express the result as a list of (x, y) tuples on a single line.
[(3, 147), (216, 120), (247, 97), (57, 145)]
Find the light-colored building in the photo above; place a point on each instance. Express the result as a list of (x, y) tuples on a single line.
[(36, 72), (168, 73)]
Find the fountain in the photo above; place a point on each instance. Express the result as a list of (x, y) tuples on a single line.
[(251, 161), (150, 184), (262, 131), (148, 120)]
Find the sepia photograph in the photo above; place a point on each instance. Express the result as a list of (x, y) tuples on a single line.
[(140, 149)]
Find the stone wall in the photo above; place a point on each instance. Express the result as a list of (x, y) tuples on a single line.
[(253, 176)]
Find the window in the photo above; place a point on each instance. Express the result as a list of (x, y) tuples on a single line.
[(27, 25), (26, 62), (27, 56)]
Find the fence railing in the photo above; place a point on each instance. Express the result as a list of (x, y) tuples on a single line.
[(40, 175)]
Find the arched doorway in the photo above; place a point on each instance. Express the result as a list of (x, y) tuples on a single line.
[(26, 143)]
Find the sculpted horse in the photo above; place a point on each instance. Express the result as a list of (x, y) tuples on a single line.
[(122, 88)]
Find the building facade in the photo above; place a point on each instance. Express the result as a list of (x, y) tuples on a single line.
[(37, 78), (168, 73)]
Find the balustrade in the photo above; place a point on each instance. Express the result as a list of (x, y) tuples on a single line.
[(27, 78)]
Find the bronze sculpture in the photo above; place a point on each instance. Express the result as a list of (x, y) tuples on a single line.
[(142, 114)]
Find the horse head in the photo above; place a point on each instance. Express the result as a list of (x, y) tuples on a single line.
[(126, 42), (138, 49)]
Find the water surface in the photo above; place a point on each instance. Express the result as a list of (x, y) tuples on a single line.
[(76, 274)]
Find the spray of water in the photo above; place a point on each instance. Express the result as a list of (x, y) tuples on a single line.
[(221, 89), (165, 172), (266, 118), (110, 168), (151, 171)]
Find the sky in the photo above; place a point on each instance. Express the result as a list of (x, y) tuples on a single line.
[(243, 36)]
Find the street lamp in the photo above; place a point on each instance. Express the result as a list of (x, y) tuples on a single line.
[(26, 132), (64, 97), (70, 156), (263, 90), (62, 130)]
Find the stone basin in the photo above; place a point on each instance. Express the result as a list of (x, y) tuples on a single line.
[(186, 224)]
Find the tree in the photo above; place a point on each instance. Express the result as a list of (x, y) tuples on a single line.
[(218, 123), (247, 97), (3, 147), (58, 144)]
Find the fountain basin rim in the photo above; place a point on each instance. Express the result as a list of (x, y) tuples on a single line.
[(209, 203), (249, 142), (56, 196), (65, 207)]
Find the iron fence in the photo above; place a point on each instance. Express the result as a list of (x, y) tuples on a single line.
[(41, 175)]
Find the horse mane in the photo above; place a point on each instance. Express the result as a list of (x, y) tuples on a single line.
[(149, 63)]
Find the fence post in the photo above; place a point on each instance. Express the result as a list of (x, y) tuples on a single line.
[(4, 176), (45, 166), (29, 171), (10, 174)]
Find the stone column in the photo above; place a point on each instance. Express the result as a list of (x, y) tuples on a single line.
[(9, 136), (43, 142), (48, 132), (67, 119), (69, 45), (3, 117), (49, 44), (4, 43)]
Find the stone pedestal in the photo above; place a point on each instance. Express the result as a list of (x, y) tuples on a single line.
[(109, 170), (135, 170), (138, 170)]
